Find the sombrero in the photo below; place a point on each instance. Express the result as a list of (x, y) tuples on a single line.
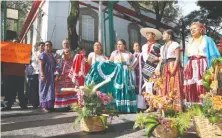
[(158, 34)]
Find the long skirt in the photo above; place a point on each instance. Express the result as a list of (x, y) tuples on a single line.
[(64, 98), (193, 74), (121, 86), (172, 85)]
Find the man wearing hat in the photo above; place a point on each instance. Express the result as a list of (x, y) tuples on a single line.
[(150, 54)]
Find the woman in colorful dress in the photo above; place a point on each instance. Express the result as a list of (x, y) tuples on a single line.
[(121, 85), (171, 70), (138, 81), (97, 55), (80, 68), (47, 66), (64, 99), (199, 54), (125, 93)]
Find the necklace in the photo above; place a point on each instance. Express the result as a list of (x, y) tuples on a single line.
[(197, 43), (120, 57), (165, 49)]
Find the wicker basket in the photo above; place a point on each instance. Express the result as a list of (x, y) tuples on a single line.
[(218, 78), (207, 130), (161, 132), (93, 124)]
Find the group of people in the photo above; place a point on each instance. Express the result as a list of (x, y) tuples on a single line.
[(48, 73), (130, 72)]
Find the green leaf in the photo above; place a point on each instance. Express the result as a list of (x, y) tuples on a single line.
[(214, 119), (135, 126), (149, 129), (77, 121), (149, 119), (181, 131), (199, 109), (104, 121)]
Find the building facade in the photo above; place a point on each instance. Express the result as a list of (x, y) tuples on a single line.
[(50, 23)]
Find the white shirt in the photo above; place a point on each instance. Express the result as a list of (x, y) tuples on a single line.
[(145, 50), (170, 51), (96, 57), (60, 53), (35, 62), (123, 57), (195, 49)]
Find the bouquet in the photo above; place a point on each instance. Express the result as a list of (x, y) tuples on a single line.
[(93, 103)]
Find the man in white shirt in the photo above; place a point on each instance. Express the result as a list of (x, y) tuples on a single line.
[(65, 45), (150, 52)]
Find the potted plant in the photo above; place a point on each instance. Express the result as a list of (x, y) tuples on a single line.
[(172, 125), (208, 119), (91, 108)]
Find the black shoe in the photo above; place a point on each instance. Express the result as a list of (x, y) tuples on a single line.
[(35, 106), (24, 107), (7, 108), (2, 105)]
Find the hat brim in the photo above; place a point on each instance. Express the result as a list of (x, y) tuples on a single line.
[(158, 34)]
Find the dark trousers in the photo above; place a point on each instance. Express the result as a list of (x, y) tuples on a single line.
[(14, 85), (33, 90)]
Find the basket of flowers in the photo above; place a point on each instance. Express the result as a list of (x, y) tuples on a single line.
[(170, 126), (161, 103), (91, 108), (208, 121), (212, 78)]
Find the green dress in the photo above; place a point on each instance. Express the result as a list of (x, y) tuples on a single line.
[(121, 86)]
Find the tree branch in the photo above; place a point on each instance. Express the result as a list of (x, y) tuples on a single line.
[(136, 6), (162, 10)]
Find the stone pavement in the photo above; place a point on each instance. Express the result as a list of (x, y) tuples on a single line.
[(32, 123)]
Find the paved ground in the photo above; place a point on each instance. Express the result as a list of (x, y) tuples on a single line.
[(32, 123)]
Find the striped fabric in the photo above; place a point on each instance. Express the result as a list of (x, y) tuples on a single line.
[(64, 99)]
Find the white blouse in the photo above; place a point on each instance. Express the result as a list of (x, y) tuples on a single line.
[(195, 49), (96, 57), (35, 62), (170, 50), (123, 57)]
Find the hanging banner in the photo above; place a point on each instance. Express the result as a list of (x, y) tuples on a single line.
[(15, 52)]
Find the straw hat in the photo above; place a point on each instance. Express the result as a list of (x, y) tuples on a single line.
[(158, 34)]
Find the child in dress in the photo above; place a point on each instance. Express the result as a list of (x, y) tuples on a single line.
[(138, 81)]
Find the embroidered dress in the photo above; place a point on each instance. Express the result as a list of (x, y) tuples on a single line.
[(47, 88), (138, 81), (121, 85), (96, 57), (65, 98), (198, 57), (171, 84), (79, 70)]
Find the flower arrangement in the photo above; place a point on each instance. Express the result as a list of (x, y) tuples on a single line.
[(164, 127), (162, 103), (211, 107), (208, 118), (92, 103), (209, 77), (158, 81)]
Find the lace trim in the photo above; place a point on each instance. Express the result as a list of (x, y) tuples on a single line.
[(126, 102), (102, 74)]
